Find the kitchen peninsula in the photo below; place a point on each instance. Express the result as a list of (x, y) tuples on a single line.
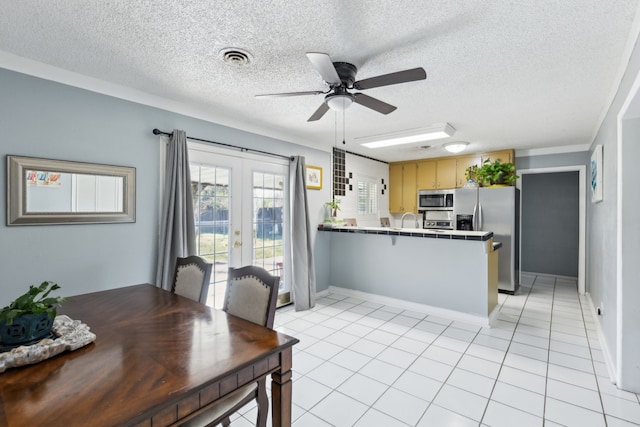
[(447, 273)]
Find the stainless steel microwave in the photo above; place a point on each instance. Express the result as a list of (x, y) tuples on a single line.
[(435, 200)]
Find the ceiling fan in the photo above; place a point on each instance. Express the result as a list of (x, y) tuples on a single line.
[(341, 77)]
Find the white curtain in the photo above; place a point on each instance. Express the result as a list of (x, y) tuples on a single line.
[(303, 271), (177, 227)]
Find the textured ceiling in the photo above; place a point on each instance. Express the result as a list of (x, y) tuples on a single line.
[(505, 73)]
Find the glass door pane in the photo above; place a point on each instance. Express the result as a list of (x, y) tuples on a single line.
[(268, 207), (211, 202)]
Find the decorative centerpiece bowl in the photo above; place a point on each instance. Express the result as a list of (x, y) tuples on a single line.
[(28, 320)]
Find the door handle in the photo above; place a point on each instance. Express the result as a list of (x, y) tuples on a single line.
[(475, 219)]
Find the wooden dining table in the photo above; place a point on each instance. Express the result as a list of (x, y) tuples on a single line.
[(159, 359)]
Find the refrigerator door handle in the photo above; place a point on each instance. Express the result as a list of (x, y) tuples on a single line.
[(474, 222), (480, 219)]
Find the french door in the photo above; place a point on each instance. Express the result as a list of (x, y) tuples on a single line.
[(241, 214)]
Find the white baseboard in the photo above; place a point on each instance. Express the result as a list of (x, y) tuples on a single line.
[(557, 276), (414, 306), (608, 360)]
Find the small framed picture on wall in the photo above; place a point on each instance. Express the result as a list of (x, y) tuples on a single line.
[(596, 174), (314, 177)]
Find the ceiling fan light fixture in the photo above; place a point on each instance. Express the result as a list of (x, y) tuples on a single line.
[(455, 147), (407, 136), (339, 102)]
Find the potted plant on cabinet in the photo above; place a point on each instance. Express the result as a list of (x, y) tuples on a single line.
[(496, 173), (27, 320), (471, 175)]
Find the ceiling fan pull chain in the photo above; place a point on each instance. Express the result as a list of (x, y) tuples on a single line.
[(343, 126)]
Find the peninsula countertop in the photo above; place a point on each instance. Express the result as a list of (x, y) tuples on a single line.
[(412, 232)]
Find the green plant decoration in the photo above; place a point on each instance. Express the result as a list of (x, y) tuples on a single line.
[(496, 173), (471, 173), (27, 303), (334, 204)]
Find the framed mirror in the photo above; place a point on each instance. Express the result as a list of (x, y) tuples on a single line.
[(46, 191)]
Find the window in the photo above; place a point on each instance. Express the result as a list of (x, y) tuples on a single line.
[(367, 196)]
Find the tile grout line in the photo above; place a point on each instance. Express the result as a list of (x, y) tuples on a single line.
[(484, 413), (450, 324), (546, 376)]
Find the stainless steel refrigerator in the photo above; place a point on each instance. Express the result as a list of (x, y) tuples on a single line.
[(497, 210)]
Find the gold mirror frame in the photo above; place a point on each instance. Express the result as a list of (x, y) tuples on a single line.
[(17, 213)]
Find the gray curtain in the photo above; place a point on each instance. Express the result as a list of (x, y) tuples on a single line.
[(177, 228), (303, 271)]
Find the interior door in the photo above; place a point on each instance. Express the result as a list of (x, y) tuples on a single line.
[(241, 214)]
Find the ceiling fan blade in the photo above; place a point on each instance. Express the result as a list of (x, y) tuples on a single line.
[(323, 64), (392, 79), (373, 103), (319, 112), (277, 95)]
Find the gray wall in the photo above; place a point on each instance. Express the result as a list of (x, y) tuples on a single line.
[(41, 118), (549, 217), (553, 160), (602, 224)]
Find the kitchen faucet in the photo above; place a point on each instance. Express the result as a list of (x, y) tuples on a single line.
[(415, 219)]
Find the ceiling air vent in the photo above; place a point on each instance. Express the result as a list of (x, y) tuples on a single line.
[(236, 57)]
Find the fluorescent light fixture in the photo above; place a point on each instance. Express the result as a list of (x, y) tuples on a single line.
[(455, 147), (407, 136)]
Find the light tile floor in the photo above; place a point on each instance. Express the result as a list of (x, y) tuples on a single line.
[(364, 364)]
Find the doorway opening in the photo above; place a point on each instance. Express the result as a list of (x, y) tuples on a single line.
[(531, 183)]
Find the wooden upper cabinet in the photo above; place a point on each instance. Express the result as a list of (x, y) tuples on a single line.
[(403, 191), (410, 188), (427, 175), (406, 178), (446, 173), (461, 168), (505, 156), (395, 187)]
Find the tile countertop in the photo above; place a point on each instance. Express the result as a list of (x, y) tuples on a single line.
[(413, 232)]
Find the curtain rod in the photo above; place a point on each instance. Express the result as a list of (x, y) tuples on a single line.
[(244, 149)]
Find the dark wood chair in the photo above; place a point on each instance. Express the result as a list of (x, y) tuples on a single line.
[(191, 278), (251, 294)]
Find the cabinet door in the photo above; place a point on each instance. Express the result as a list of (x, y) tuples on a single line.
[(395, 188), (505, 156), (410, 188), (427, 175), (462, 163), (446, 173)]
